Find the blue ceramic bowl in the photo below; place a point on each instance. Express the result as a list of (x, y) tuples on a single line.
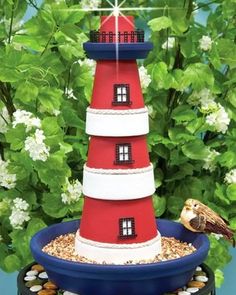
[(144, 279)]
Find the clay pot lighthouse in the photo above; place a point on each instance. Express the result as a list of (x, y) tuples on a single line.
[(118, 222)]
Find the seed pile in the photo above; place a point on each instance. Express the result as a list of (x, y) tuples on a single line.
[(63, 247)]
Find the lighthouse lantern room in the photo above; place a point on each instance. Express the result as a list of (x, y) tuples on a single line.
[(118, 222)]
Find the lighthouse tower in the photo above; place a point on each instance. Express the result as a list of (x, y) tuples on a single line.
[(118, 222)]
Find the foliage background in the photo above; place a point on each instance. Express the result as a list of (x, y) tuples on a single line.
[(38, 65)]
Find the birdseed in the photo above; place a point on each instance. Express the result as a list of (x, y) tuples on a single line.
[(63, 247)]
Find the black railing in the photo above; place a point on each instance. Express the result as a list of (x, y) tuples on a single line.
[(121, 37)]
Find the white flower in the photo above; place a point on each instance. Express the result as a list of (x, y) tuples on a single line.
[(19, 214), (90, 4), (7, 179), (56, 112), (205, 43), (170, 43), (70, 93), (18, 217), (36, 147), (219, 119), (89, 63), (205, 98), (207, 101), (20, 204), (4, 120), (230, 177), (210, 161), (72, 193), (145, 78), (26, 118)]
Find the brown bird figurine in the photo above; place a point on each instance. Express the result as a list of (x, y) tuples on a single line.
[(197, 217)]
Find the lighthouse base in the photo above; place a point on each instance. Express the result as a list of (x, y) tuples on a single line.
[(139, 279), (117, 253)]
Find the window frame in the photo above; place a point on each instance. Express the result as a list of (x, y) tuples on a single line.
[(127, 227), (118, 161), (116, 94)]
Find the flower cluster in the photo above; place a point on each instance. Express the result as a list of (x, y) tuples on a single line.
[(90, 4), (210, 161), (230, 177), (205, 43), (7, 179), (19, 213), (72, 192), (70, 93), (4, 120), (89, 63), (36, 147), (26, 118), (169, 44), (219, 119), (216, 114), (145, 78)]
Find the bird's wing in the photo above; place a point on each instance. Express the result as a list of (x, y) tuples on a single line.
[(219, 228), (212, 216), (198, 223)]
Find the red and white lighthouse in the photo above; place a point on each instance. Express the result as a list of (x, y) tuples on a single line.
[(118, 222)]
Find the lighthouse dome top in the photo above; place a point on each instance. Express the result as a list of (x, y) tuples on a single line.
[(117, 39)]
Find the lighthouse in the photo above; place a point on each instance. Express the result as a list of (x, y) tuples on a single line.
[(118, 222)]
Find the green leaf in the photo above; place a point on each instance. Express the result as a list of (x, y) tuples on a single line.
[(16, 137), (183, 113), (227, 159), (53, 206), (160, 23), (12, 263), (233, 223), (161, 76), (26, 92), (221, 195), (50, 98), (180, 135), (231, 192), (72, 119), (198, 75), (195, 150), (227, 52), (35, 225), (175, 205), (219, 277), (159, 205)]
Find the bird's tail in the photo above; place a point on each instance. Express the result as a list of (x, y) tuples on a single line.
[(230, 236)]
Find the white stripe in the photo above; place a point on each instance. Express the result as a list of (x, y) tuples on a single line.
[(117, 253), (117, 122), (118, 184)]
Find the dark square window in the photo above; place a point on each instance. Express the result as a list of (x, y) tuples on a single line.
[(123, 154), (127, 228), (121, 94)]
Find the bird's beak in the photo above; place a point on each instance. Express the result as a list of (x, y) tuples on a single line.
[(187, 208)]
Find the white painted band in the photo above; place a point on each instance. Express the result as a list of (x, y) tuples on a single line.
[(119, 171), (101, 184), (117, 253), (117, 122)]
